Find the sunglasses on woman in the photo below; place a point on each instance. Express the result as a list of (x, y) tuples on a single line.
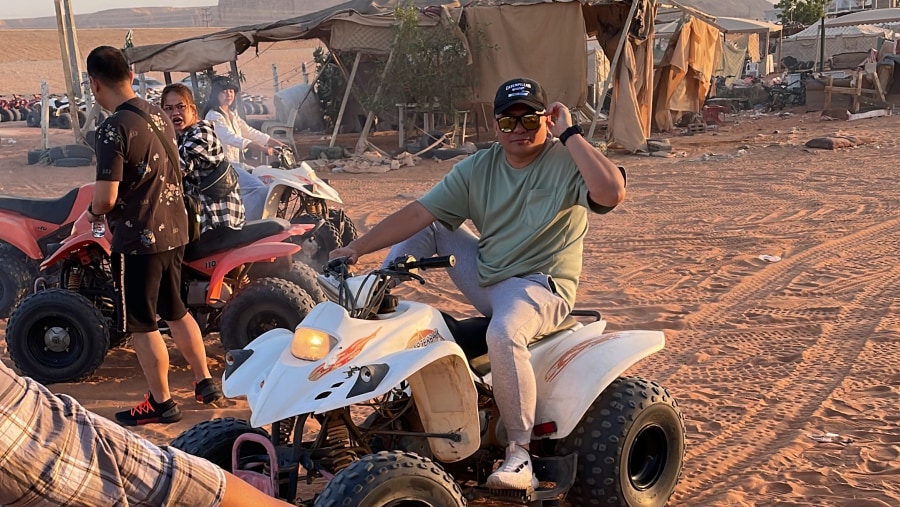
[(530, 121)]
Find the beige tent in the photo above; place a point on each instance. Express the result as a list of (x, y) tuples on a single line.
[(544, 40)]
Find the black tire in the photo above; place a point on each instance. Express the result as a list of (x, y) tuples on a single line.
[(262, 305), (33, 119), (64, 121), (82, 118), (314, 250), (391, 478), (307, 279), (72, 162), (345, 227), (5, 114), (15, 279), (630, 447), (71, 151), (38, 156), (214, 439), (77, 328)]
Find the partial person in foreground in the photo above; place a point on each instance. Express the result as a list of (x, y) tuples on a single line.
[(528, 195), (202, 156), (55, 452), (237, 136), (139, 189)]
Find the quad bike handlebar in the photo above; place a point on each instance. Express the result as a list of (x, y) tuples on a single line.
[(369, 295)]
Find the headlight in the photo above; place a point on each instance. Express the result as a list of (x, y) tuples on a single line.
[(311, 345)]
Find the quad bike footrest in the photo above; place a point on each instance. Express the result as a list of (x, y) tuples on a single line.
[(556, 475)]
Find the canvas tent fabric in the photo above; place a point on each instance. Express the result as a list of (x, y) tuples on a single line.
[(867, 17), (361, 25), (684, 76), (804, 45)]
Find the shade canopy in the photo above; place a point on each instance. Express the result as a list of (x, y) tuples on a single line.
[(872, 16)]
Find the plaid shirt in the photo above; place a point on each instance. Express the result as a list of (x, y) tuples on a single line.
[(53, 451), (201, 152)]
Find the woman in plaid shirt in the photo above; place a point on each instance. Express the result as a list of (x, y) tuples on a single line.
[(200, 152)]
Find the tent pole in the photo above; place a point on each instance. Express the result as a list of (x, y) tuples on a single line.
[(337, 123), (370, 116), (613, 67)]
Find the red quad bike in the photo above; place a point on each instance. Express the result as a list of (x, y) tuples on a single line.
[(28, 228), (240, 283)]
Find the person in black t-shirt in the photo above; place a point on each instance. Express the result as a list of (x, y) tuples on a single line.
[(139, 189)]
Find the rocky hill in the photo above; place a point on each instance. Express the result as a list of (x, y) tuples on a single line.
[(242, 12)]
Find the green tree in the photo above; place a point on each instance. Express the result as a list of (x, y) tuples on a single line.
[(801, 11)]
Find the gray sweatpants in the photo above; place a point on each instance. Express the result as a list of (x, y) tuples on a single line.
[(520, 309)]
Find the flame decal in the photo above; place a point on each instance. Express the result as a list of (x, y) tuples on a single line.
[(343, 357), (572, 353)]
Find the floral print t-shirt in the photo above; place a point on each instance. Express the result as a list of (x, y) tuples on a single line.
[(149, 215)]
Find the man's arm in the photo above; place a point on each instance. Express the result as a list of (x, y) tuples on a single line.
[(393, 229), (105, 194), (605, 183)]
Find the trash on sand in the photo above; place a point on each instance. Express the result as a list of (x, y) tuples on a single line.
[(831, 438), (769, 258)]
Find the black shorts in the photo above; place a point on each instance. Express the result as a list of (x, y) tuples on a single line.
[(150, 285)]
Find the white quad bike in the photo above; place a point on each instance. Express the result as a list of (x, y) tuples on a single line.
[(433, 432), (297, 194)]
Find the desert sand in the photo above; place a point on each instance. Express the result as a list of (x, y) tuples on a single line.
[(761, 356)]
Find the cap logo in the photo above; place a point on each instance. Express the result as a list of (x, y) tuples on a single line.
[(518, 90)]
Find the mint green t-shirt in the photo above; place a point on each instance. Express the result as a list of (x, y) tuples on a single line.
[(531, 220)]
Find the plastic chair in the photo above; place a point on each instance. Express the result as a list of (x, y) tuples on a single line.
[(714, 115), (283, 132)]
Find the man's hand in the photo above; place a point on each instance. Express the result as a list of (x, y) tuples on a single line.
[(559, 118), (347, 251)]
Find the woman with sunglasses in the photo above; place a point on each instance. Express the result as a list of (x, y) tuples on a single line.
[(237, 136), (529, 196), (201, 153)]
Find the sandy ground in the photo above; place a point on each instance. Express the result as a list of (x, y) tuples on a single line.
[(760, 355)]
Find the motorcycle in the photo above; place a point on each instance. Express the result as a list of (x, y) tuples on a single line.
[(297, 194), (240, 283), (434, 432), (28, 228)]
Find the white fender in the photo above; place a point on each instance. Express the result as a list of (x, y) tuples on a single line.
[(379, 356), (573, 371)]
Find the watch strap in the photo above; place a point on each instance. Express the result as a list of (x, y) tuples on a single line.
[(569, 132)]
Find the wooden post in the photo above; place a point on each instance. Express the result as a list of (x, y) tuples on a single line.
[(275, 77), (828, 85), (854, 105), (71, 58), (237, 95), (613, 67), (337, 122), (45, 115), (370, 116)]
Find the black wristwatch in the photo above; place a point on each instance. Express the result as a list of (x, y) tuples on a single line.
[(569, 132)]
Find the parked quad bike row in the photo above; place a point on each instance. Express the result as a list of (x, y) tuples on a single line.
[(57, 276)]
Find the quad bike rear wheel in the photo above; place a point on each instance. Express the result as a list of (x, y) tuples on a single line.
[(262, 305), (57, 335), (630, 446), (345, 227), (307, 279), (315, 249), (15, 279), (392, 478)]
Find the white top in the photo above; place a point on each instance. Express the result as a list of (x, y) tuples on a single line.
[(234, 133)]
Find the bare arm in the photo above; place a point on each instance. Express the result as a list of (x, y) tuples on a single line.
[(105, 193), (605, 183), (393, 229)]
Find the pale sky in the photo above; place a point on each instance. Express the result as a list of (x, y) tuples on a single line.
[(39, 8)]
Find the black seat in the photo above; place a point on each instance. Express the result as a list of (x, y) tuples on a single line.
[(470, 335), (226, 238), (54, 211)]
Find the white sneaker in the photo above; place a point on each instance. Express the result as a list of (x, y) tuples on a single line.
[(515, 472)]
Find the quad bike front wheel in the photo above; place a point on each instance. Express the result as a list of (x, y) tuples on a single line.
[(214, 439), (57, 335), (307, 279), (262, 305), (630, 446), (392, 478)]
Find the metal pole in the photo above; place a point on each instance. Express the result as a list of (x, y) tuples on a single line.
[(275, 77), (337, 123), (45, 115), (822, 45)]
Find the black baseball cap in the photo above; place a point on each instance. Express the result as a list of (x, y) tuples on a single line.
[(520, 90), (224, 83)]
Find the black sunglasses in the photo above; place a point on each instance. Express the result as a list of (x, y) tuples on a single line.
[(530, 121)]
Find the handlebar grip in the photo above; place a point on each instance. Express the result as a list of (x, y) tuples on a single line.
[(446, 261)]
